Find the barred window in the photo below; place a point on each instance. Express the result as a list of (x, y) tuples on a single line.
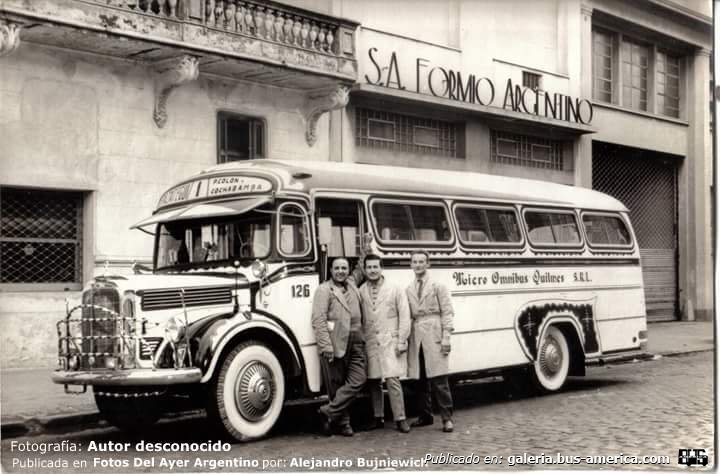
[(391, 131), (41, 237), (524, 150)]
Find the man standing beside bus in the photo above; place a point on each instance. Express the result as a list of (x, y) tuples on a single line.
[(387, 327), (432, 323), (337, 323)]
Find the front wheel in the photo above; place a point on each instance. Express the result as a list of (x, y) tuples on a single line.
[(249, 392), (552, 364)]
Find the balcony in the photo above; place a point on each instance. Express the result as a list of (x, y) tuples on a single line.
[(259, 41)]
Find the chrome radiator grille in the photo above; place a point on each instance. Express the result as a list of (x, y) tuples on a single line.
[(173, 298), (100, 337), (99, 327)]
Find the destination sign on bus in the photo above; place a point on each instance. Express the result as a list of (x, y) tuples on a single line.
[(219, 186)]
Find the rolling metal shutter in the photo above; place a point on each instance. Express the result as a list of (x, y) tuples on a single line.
[(646, 182)]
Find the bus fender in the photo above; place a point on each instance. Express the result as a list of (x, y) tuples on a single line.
[(222, 332), (534, 317)]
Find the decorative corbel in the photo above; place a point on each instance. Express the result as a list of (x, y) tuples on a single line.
[(169, 75), (9, 37), (320, 102)]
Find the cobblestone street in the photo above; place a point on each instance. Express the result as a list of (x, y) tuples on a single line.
[(650, 408)]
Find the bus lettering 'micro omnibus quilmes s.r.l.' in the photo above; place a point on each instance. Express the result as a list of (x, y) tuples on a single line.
[(543, 278)]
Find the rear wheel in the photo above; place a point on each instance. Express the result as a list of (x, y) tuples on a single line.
[(552, 364), (249, 392), (128, 409)]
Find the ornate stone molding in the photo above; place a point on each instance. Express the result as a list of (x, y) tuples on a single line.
[(169, 75), (9, 37), (320, 102)]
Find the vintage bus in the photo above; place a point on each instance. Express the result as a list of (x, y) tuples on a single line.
[(543, 278)]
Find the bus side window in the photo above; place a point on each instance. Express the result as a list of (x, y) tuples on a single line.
[(604, 229), (347, 225), (552, 227), (478, 224)]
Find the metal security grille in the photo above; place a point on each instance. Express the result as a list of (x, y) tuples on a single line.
[(524, 150), (387, 130), (40, 237), (646, 183)]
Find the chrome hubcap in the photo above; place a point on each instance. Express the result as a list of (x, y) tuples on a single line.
[(254, 390), (551, 357)]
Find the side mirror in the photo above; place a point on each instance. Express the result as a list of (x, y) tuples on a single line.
[(324, 230)]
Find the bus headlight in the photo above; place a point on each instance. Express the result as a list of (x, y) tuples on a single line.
[(259, 269), (111, 363), (73, 362), (174, 329)]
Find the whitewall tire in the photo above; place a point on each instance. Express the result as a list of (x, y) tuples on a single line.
[(249, 392), (552, 364)]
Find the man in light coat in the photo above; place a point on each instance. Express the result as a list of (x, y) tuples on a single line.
[(432, 323), (386, 328), (337, 323)]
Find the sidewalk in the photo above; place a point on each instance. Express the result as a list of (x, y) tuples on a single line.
[(31, 404)]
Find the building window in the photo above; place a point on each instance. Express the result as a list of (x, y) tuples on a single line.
[(531, 80), (391, 131), (383, 130), (41, 237), (635, 75), (668, 84), (523, 150), (240, 137), (602, 66)]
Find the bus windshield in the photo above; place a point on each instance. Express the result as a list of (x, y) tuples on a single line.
[(242, 237)]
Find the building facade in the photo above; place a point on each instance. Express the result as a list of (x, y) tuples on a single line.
[(106, 104)]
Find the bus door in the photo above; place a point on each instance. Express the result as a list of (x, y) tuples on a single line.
[(348, 225)]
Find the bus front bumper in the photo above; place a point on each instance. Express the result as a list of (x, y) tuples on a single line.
[(128, 377)]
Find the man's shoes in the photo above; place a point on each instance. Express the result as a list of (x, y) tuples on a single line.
[(448, 426), (346, 430), (378, 424), (402, 426), (422, 421)]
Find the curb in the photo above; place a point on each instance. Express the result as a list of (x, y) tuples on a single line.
[(60, 424)]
